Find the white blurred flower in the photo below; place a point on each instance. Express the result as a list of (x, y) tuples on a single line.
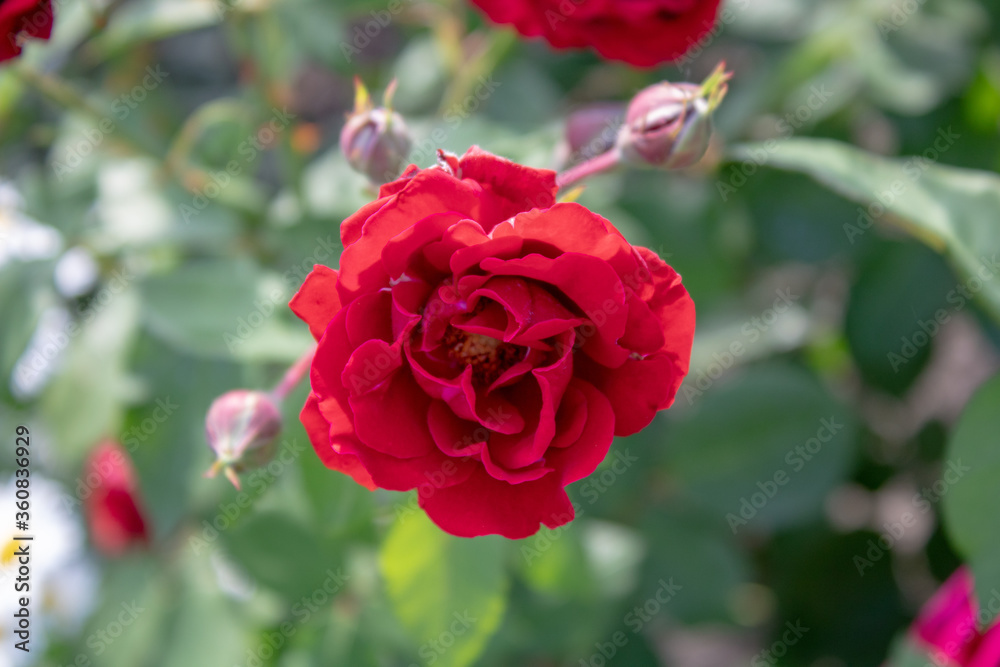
[(63, 581), (22, 238), (76, 272), (43, 354)]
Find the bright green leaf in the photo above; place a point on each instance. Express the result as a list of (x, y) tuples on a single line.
[(445, 588)]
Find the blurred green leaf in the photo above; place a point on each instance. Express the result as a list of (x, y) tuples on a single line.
[(554, 562), (763, 449), (971, 501), (898, 302), (86, 399), (207, 627), (699, 556), (952, 210), (279, 553), (131, 622), (450, 593), (207, 307), (905, 654)]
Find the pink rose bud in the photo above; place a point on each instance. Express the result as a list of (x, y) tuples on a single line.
[(375, 140), (242, 427), (590, 131), (669, 125)]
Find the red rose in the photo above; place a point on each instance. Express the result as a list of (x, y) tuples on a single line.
[(23, 18), (640, 32), (114, 516), (483, 344)]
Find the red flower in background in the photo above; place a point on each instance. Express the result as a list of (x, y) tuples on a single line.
[(114, 515), (23, 18), (948, 626), (639, 32), (484, 344)]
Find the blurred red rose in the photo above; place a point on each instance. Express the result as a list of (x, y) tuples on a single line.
[(23, 18), (639, 32), (949, 626), (114, 514), (483, 344)]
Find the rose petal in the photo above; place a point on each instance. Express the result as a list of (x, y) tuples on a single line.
[(482, 505)]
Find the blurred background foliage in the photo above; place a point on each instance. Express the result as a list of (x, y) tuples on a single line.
[(184, 153)]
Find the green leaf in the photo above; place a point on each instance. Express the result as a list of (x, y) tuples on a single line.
[(447, 591), (951, 210), (85, 400), (207, 627), (207, 307), (281, 554), (906, 654), (699, 556), (763, 449), (554, 562), (890, 337), (129, 626), (971, 470)]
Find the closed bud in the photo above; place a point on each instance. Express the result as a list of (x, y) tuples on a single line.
[(669, 125), (590, 131), (375, 140), (242, 427), (115, 517)]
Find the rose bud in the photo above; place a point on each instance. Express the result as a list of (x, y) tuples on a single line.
[(241, 427), (375, 140), (590, 131), (114, 514), (669, 125)]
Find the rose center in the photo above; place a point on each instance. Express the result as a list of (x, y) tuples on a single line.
[(489, 357)]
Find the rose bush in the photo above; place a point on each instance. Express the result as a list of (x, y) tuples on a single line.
[(639, 32), (23, 18), (484, 343)]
